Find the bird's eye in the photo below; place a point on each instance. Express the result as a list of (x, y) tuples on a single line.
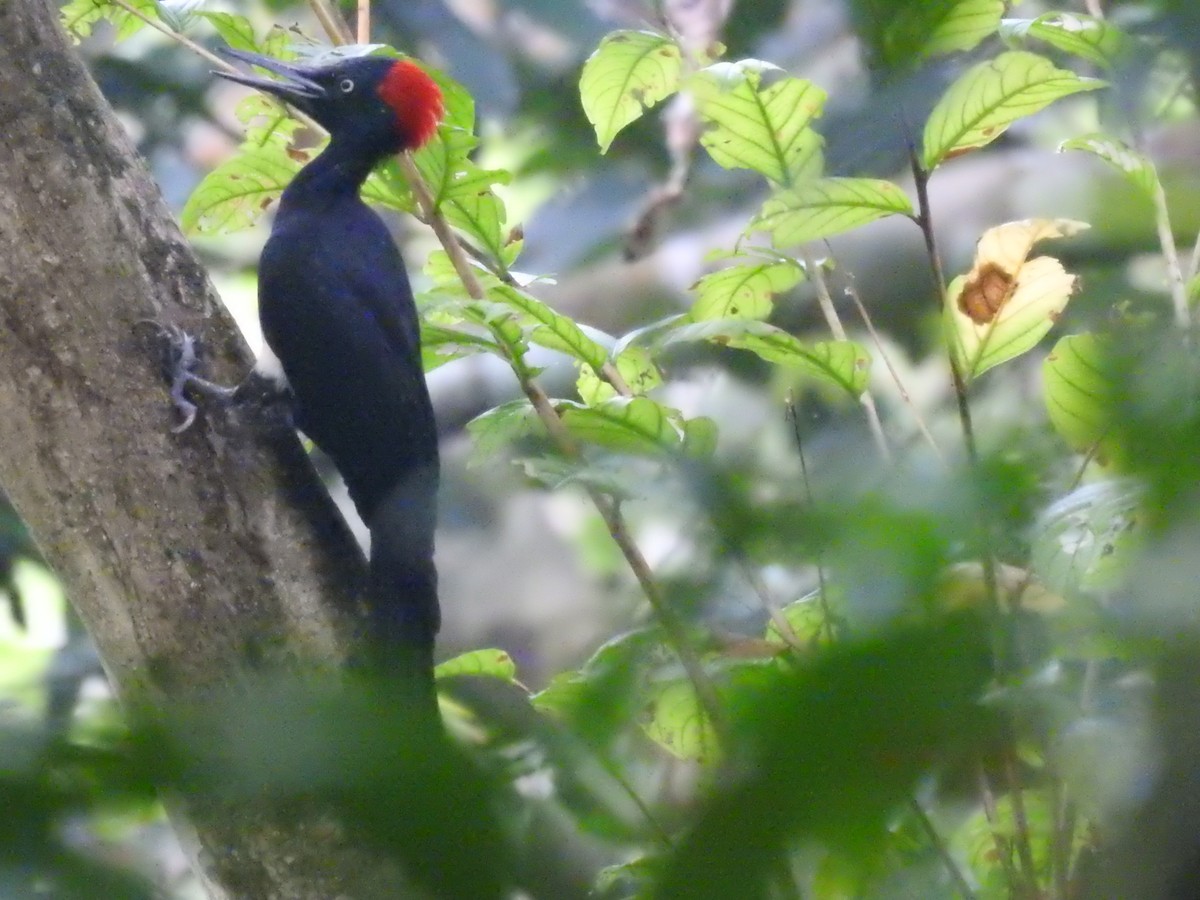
[(347, 85)]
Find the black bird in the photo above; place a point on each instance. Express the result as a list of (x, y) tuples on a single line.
[(338, 315)]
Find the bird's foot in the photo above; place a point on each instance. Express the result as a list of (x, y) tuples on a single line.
[(179, 360)]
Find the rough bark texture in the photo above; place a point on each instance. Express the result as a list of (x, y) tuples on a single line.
[(194, 559)]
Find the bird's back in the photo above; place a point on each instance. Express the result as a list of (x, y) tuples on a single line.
[(337, 309)]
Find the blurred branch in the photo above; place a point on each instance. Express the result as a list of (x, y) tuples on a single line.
[(825, 301)]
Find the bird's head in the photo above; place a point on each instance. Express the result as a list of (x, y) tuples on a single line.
[(389, 102)]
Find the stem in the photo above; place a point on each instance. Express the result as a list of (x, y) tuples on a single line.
[(825, 301), (1166, 238), (925, 222), (942, 850), (1020, 820), (335, 27), (822, 593), (673, 625), (852, 292), (364, 21)]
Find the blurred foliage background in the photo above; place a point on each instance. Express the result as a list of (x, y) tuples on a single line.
[(903, 740)]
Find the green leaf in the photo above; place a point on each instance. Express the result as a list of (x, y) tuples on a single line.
[(844, 364), (1007, 302), (388, 187), (629, 73), (989, 97), (234, 195), (902, 33), (626, 424), (828, 206), (267, 121), (485, 663), (1085, 541), (1081, 394), (745, 291), (494, 431), (806, 618), (700, 436), (442, 343), (674, 719), (1096, 40), (480, 216), (599, 698), (553, 331), (79, 17), (238, 33), (1133, 165), (636, 367), (758, 117)]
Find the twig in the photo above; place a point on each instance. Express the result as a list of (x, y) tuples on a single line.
[(364, 21), (1016, 797), (335, 27), (825, 301), (822, 587), (942, 850), (852, 292), (1166, 238)]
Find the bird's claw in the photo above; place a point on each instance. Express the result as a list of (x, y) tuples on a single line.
[(179, 360)]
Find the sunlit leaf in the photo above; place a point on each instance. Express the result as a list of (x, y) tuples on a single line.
[(808, 622), (237, 193), (494, 431), (674, 719), (267, 121), (1133, 165), (758, 117), (79, 17), (598, 698), (1096, 40), (1007, 302), (553, 331), (1084, 542), (442, 343), (626, 424), (901, 33), (989, 97), (629, 73), (745, 291), (635, 366), (387, 187), (490, 663), (844, 364), (828, 206), (1081, 395)]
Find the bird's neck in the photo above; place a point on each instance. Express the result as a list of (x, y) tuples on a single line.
[(338, 172)]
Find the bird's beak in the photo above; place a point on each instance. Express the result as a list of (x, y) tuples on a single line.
[(295, 86)]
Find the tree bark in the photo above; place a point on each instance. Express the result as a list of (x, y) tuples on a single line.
[(196, 560)]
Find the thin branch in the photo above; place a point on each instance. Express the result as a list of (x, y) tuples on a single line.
[(924, 220), (1194, 262), (335, 26), (364, 21), (822, 587), (1166, 238), (942, 850), (825, 301), (852, 292)]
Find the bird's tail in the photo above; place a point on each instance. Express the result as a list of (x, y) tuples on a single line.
[(403, 605)]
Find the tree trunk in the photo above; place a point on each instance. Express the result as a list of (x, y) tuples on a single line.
[(197, 559)]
